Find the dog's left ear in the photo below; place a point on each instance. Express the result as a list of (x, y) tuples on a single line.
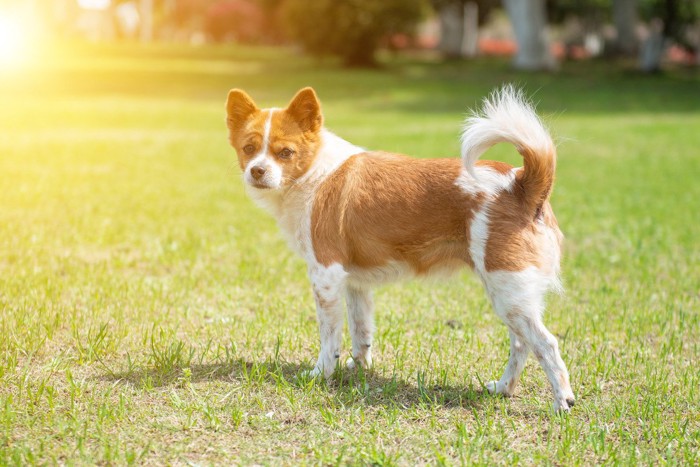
[(306, 110), (239, 106)]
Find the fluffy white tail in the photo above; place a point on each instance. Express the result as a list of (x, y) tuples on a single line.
[(508, 117)]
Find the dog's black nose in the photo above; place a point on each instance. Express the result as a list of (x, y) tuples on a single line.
[(257, 172)]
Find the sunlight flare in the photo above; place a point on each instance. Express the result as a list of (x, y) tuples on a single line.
[(14, 40)]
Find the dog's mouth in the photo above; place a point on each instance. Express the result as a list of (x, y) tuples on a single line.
[(260, 186)]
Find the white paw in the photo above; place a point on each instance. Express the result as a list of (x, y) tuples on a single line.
[(321, 369), (311, 374), (563, 404), (492, 387), (353, 362)]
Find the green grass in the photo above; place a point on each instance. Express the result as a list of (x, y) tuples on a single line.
[(149, 313)]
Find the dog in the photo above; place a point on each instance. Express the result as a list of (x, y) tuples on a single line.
[(361, 218)]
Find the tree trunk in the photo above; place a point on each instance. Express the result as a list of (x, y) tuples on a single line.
[(529, 20), (451, 29), (652, 49), (625, 18), (470, 44)]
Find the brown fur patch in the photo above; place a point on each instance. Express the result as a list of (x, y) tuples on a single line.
[(379, 207), (537, 177), (287, 132), (515, 239), (249, 131), (512, 244), (239, 106), (500, 167)]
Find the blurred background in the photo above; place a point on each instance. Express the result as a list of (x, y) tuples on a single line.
[(538, 34)]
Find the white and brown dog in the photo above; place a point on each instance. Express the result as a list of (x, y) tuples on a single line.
[(360, 218)]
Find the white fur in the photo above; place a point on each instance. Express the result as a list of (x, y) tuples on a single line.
[(478, 236), (266, 131), (333, 152), (361, 324), (273, 173), (485, 180), (329, 291), (506, 117), (518, 299)]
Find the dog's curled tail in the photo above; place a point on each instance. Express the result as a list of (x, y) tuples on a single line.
[(508, 117)]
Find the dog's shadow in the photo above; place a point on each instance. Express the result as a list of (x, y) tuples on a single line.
[(349, 386)]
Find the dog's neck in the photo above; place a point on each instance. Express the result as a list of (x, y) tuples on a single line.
[(333, 151)]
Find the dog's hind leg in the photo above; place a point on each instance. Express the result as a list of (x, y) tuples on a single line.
[(516, 363), (329, 287), (361, 324), (518, 298)]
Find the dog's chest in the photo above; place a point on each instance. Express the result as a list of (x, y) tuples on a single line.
[(294, 220)]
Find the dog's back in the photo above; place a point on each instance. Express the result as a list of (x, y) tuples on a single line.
[(381, 211)]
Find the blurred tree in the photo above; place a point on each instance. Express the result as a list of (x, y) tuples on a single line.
[(351, 29), (242, 21), (625, 17), (459, 21), (588, 10), (529, 19)]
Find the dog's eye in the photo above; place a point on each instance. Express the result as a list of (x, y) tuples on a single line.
[(249, 149), (285, 153)]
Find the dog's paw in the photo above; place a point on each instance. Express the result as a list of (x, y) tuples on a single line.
[(365, 362), (350, 363), (497, 387), (563, 403), (312, 374), (492, 387)]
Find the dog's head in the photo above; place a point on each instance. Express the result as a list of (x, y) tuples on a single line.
[(275, 147)]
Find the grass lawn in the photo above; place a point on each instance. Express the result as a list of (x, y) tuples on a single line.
[(149, 313)]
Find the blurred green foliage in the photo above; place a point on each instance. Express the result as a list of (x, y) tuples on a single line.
[(352, 29)]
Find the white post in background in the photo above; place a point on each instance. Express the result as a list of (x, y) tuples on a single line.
[(529, 20), (146, 13), (451, 32), (625, 18), (470, 39)]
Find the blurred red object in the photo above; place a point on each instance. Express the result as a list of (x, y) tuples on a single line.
[(236, 20)]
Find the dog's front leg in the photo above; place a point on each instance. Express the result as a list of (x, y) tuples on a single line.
[(329, 288), (361, 324)]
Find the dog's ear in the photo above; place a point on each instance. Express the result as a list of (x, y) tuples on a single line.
[(239, 107), (305, 109)]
